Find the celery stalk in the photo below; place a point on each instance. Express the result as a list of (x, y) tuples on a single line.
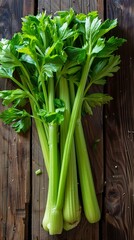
[(90, 203), (71, 207), (42, 138), (55, 219), (45, 221), (69, 139), (55, 224)]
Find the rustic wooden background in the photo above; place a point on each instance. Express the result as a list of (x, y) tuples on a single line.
[(22, 193)]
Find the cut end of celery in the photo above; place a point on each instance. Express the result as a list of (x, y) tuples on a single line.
[(55, 224), (38, 172), (68, 226), (71, 217), (45, 220)]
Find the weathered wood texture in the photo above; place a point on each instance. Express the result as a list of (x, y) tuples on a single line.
[(14, 149), (119, 139), (22, 193)]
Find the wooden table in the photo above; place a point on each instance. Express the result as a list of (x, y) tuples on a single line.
[(22, 193)]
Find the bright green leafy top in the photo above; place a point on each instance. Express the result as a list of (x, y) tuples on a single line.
[(51, 47)]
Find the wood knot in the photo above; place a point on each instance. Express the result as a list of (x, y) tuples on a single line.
[(113, 202)]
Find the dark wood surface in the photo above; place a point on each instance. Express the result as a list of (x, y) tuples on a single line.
[(119, 132), (23, 193), (14, 149)]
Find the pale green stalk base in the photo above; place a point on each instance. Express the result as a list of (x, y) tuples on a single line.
[(52, 220), (68, 226), (71, 208), (55, 224), (45, 220)]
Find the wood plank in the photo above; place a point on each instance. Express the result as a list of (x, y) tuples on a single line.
[(55, 6), (39, 189), (119, 199), (3, 179), (65, 4), (18, 163), (76, 5), (93, 126), (14, 149), (14, 183), (28, 7), (44, 5), (49, 5)]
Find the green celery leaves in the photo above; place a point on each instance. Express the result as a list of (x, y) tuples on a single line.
[(19, 119), (17, 97)]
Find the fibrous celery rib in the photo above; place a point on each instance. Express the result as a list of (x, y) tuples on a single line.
[(71, 206)]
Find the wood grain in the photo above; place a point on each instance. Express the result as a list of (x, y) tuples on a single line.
[(119, 141), (14, 183), (29, 7), (39, 188), (17, 209), (14, 149), (65, 4), (44, 5)]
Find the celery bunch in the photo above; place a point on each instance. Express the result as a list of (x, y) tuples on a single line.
[(54, 61)]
